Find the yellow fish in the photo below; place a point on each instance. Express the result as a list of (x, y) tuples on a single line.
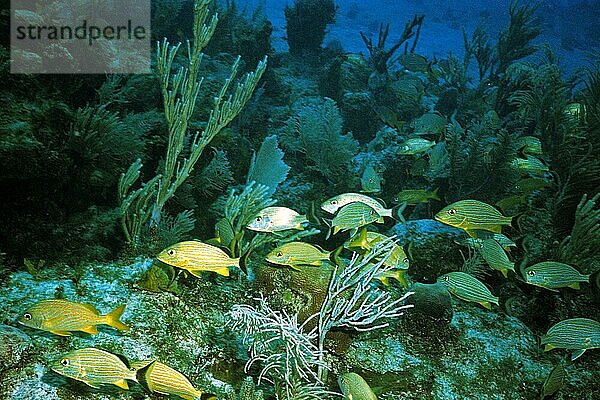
[(95, 367), (194, 257), (354, 215), (294, 254), (62, 317), (354, 387), (333, 204), (471, 215), (157, 377)]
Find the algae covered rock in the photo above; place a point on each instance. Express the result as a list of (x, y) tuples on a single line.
[(14, 346), (432, 307)]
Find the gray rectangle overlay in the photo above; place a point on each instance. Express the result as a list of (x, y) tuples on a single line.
[(80, 36)]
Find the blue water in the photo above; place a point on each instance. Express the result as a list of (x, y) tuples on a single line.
[(569, 27)]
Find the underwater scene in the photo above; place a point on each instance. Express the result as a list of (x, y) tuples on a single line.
[(300, 200)]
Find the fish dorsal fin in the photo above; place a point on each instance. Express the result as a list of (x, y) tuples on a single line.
[(379, 200), (90, 329), (90, 307), (123, 358)]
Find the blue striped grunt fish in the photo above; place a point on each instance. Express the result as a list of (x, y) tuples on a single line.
[(61, 317), (468, 288), (157, 377), (529, 145), (553, 275), (354, 215), (530, 165), (416, 196), (275, 219), (472, 215), (579, 334), (95, 367), (354, 387), (333, 204), (195, 256), (495, 256), (414, 146), (370, 181), (294, 254)]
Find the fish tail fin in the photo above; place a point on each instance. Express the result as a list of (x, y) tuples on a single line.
[(334, 256), (243, 262), (113, 318), (434, 195), (397, 212), (141, 375)]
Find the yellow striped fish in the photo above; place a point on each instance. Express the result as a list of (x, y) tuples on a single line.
[(61, 317), (333, 204), (471, 215), (354, 215), (553, 275), (95, 367), (275, 219), (579, 334), (294, 254), (480, 235), (530, 164), (468, 288), (157, 377), (194, 257), (529, 145), (354, 387), (493, 254), (397, 274), (364, 241)]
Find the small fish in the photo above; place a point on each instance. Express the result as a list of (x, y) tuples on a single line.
[(493, 254), (554, 275), (416, 196), (333, 204), (413, 62), (157, 377), (275, 219), (294, 254), (61, 317), (529, 185), (468, 288), (354, 387), (554, 382), (480, 235), (530, 164), (354, 215), (415, 146), (512, 203), (371, 180), (365, 241), (224, 233), (95, 367), (194, 257), (472, 215), (397, 274), (529, 145), (579, 334), (429, 124)]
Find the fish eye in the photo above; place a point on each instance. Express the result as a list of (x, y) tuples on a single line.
[(171, 252), (406, 261), (334, 202), (446, 278), (452, 211), (64, 362), (279, 254), (258, 219), (27, 316), (531, 273)]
